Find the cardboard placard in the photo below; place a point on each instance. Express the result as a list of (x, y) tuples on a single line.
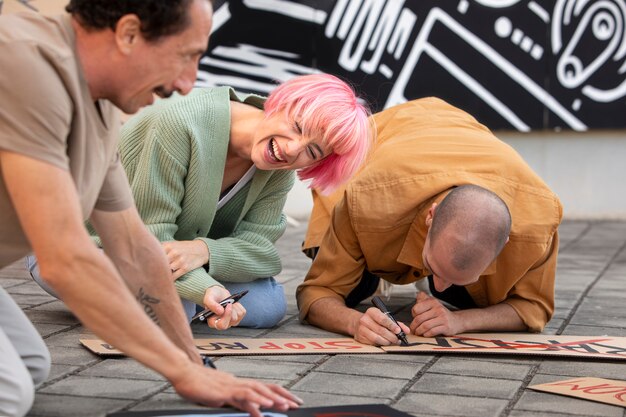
[(247, 346), (601, 347), (365, 410), (602, 390)]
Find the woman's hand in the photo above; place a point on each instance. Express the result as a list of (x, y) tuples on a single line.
[(224, 317), (185, 255)]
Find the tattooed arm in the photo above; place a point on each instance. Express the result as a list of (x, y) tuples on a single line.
[(141, 261)]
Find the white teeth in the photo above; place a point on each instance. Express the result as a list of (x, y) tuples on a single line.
[(276, 151)]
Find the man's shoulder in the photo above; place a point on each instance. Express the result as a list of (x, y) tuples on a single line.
[(45, 32), (37, 50)]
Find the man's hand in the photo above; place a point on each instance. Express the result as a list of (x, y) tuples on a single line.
[(216, 389), (376, 328), (185, 255), (431, 318), (224, 317)]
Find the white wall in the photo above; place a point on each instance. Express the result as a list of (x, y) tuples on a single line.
[(587, 171)]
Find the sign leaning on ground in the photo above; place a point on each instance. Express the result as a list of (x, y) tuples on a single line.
[(602, 390), (599, 347)]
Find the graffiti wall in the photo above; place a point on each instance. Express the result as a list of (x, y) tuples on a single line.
[(514, 64)]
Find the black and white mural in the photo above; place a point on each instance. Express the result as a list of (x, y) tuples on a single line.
[(514, 64)]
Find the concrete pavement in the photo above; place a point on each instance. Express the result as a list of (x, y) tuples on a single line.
[(590, 301)]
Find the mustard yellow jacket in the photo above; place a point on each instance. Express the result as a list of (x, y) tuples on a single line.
[(423, 149)]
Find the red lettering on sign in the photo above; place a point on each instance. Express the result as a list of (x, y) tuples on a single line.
[(344, 344), (618, 390), (294, 346), (270, 345)]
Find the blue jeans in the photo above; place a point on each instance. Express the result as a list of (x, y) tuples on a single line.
[(265, 302)]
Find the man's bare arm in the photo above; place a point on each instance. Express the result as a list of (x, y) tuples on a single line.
[(45, 199), (496, 318), (431, 318), (47, 204), (372, 327), (141, 261)]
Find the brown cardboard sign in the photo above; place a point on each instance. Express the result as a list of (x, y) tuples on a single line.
[(599, 347), (246, 346), (602, 390), (602, 347)]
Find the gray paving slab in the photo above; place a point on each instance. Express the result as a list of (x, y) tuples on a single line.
[(374, 366), (547, 402), (481, 368), (591, 278), (48, 329), (534, 413), (316, 399), (168, 401), (51, 316), (249, 368), (469, 385), (60, 371), (594, 330), (599, 369), (28, 300), (125, 368), (47, 405), (351, 385), (450, 405), (73, 356), (118, 388)]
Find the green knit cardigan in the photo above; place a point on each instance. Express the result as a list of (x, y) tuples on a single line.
[(174, 153)]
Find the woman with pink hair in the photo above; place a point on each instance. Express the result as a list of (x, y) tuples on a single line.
[(210, 173)]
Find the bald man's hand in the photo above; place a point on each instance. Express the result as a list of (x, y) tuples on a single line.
[(431, 318), (376, 328)]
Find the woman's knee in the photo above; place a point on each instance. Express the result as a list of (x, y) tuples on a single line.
[(266, 305), (33, 268)]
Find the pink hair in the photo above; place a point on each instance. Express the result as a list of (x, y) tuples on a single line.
[(326, 105)]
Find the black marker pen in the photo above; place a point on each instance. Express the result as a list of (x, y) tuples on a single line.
[(205, 314), (378, 303)]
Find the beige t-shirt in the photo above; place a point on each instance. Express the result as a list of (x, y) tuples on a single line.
[(47, 113)]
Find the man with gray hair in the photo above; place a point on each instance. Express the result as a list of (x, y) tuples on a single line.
[(440, 199), (62, 79)]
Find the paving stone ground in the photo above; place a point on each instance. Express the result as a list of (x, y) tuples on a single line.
[(590, 301)]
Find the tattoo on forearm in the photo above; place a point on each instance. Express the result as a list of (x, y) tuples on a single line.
[(148, 302)]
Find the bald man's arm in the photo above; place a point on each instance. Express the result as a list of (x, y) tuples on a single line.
[(431, 318)]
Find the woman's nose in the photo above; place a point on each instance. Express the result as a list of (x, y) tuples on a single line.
[(295, 147)]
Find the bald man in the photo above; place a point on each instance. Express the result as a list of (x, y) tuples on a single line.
[(440, 199)]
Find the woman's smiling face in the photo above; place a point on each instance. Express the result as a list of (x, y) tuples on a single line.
[(280, 144)]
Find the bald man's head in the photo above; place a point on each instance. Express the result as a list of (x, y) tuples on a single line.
[(472, 225)]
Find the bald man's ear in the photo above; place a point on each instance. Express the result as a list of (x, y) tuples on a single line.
[(431, 214), (127, 33)]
